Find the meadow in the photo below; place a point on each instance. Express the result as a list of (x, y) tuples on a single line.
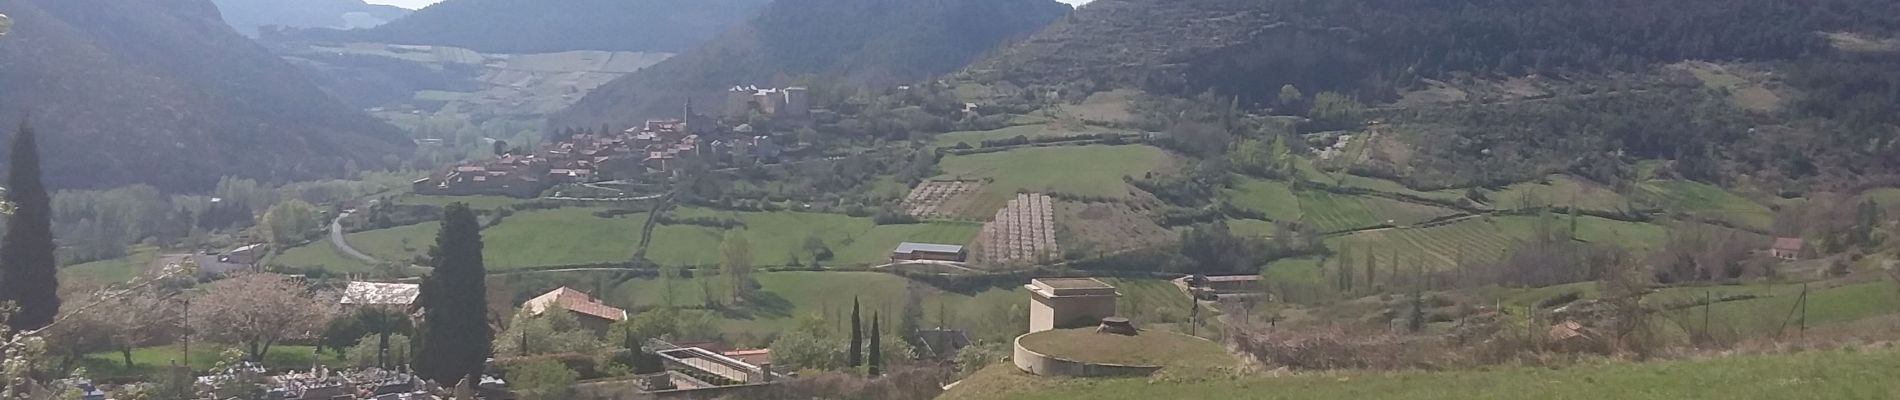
[(1331, 212), (1093, 170), (1706, 201), (575, 236), (1272, 198), (1484, 239)]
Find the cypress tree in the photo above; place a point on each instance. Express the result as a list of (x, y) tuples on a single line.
[(877, 354), (455, 337), (855, 357), (28, 276)]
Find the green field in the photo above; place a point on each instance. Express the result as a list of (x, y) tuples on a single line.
[(1388, 186), (479, 202), (1332, 212), (147, 361), (1251, 227), (1560, 191), (976, 138), (574, 236), (1094, 170), (1150, 301), (1706, 201), (785, 296), (1835, 374), (110, 271), (1273, 198), (1477, 240)]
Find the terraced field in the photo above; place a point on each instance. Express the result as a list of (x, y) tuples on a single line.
[(1561, 191), (1336, 213), (1705, 201), (1484, 239), (1440, 247), (1151, 300)]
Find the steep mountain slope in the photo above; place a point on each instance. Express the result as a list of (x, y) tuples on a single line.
[(247, 15), (517, 26), (1376, 47), (163, 92), (865, 41), (1494, 92)]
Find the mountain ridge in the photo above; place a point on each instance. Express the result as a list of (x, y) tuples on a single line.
[(121, 88), (876, 42)]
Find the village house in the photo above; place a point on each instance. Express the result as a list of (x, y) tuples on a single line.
[(592, 313)]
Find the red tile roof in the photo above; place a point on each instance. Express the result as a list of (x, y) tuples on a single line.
[(1790, 244), (576, 301)]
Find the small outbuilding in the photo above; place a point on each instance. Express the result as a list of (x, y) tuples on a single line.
[(1788, 248), (908, 251), (1061, 303)]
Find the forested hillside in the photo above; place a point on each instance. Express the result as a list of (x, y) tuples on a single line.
[(248, 15), (1374, 48), (863, 41), (1490, 92), (515, 26), (163, 92)]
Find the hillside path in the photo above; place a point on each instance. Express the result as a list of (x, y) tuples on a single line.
[(336, 241)]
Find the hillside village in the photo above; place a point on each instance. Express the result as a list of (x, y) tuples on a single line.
[(658, 146)]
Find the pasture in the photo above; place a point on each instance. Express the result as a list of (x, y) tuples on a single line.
[(575, 236), (1273, 198), (1705, 201), (1332, 212), (1093, 171)]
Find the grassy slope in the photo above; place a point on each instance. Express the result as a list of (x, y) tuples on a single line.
[(1562, 191), (1094, 170), (570, 236), (147, 361), (110, 271), (789, 295), (1485, 239), (976, 138), (1703, 200), (1335, 212), (1149, 348), (1812, 375), (1273, 198)]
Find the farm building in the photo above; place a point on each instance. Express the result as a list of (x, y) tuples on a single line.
[(593, 314), (381, 294), (1060, 303), (1216, 287), (908, 251), (1787, 248)]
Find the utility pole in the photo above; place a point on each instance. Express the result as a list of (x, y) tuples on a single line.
[(187, 342)]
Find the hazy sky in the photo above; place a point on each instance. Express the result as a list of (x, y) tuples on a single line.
[(414, 4)]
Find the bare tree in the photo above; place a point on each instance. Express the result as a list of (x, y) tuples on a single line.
[(259, 310)]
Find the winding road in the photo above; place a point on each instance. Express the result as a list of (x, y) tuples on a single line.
[(336, 241)]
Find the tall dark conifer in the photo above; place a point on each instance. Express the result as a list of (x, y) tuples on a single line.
[(28, 276), (855, 355), (877, 353), (455, 337)]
